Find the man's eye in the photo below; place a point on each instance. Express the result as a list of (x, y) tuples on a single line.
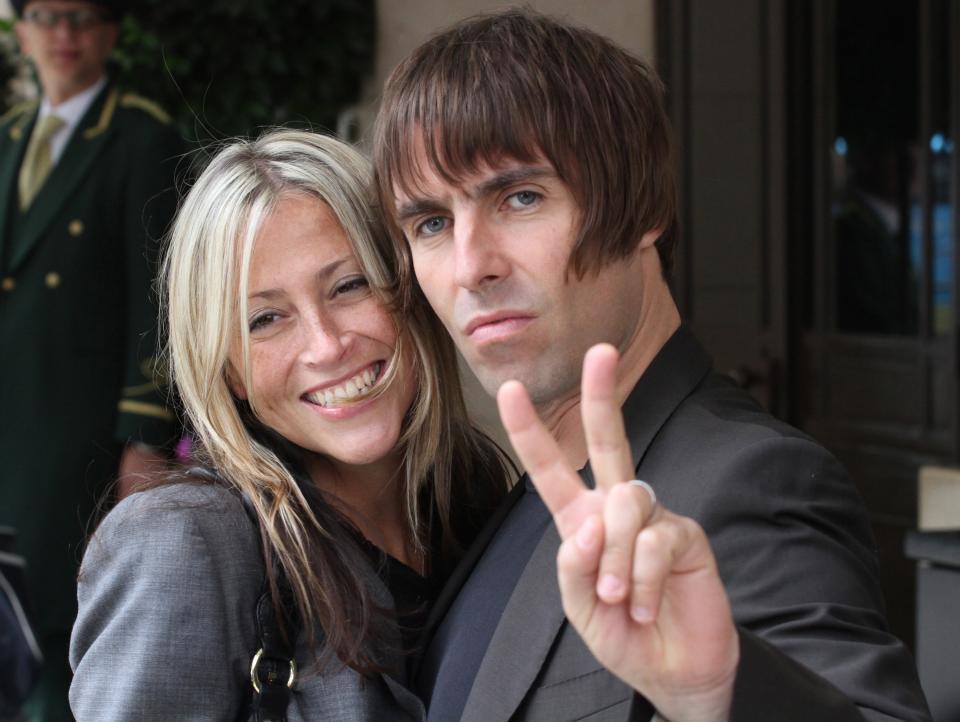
[(523, 199), (431, 226)]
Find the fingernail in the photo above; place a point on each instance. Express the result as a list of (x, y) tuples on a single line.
[(641, 615), (587, 535), (609, 586)]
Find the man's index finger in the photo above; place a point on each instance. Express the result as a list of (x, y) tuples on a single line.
[(557, 482)]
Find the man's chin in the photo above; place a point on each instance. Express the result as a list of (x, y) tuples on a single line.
[(493, 365), (491, 382), (493, 378)]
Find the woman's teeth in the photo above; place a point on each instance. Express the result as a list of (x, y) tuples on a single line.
[(348, 390)]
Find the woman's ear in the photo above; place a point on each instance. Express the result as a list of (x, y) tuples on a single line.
[(234, 383)]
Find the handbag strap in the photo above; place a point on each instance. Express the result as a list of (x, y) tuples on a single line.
[(273, 669)]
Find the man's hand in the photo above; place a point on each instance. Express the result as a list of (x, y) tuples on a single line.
[(137, 463), (639, 583)]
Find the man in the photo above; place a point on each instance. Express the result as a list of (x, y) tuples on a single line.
[(86, 176), (526, 169)]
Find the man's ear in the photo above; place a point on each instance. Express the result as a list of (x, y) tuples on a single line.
[(650, 238), (234, 383)]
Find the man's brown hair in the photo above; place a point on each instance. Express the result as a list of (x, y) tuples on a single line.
[(521, 85)]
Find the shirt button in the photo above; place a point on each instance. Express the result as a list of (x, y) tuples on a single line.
[(52, 279), (8, 284), (75, 228)]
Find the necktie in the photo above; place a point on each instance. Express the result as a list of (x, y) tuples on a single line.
[(37, 160)]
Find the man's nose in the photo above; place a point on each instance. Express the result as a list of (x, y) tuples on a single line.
[(480, 260), (64, 26)]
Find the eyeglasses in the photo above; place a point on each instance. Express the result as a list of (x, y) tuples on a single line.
[(82, 19)]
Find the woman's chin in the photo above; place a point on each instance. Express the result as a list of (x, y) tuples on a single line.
[(370, 449)]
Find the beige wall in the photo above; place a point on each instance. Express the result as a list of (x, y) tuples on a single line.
[(404, 24)]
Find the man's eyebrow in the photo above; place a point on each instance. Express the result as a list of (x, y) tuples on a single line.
[(511, 176), (415, 207), (498, 181)]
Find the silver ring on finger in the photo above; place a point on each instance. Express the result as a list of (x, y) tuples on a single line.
[(650, 492)]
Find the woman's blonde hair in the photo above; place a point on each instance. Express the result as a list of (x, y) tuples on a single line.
[(204, 272)]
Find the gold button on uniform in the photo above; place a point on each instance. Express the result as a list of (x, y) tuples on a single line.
[(75, 228), (8, 283), (52, 280)]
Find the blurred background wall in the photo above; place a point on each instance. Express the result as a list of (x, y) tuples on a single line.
[(404, 24)]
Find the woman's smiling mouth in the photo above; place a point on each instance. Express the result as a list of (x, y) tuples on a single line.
[(354, 389)]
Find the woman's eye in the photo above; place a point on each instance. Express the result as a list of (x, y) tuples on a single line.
[(261, 321), (352, 284), (431, 226), (523, 199)]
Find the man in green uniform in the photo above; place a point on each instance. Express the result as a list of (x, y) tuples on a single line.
[(86, 191)]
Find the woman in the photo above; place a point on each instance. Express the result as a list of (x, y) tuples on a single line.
[(340, 427)]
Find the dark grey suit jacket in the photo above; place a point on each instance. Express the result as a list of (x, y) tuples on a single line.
[(795, 552), (166, 628)]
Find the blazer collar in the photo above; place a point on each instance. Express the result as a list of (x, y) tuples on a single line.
[(674, 373), (534, 615), (88, 141)]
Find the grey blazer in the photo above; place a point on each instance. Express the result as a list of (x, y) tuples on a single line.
[(166, 627), (794, 550)]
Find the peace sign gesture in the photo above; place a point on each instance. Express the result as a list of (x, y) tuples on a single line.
[(639, 583)]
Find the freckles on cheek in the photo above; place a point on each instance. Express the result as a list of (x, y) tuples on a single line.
[(263, 377)]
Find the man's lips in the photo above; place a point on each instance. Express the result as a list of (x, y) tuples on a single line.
[(496, 325)]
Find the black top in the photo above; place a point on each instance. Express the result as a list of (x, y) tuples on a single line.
[(413, 594)]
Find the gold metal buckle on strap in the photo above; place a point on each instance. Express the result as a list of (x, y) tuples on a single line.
[(256, 662)]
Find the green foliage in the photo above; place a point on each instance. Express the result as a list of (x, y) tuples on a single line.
[(228, 67), (8, 65)]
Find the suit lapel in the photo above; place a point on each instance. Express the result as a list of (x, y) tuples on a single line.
[(523, 638), (14, 146), (405, 699), (89, 139), (461, 572), (534, 614), (677, 370)]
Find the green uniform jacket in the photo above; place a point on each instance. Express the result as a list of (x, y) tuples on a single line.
[(78, 328)]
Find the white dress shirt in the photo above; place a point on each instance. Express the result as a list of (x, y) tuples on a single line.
[(70, 112)]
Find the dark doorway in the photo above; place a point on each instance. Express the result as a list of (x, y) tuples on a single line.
[(873, 187), (820, 184)]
